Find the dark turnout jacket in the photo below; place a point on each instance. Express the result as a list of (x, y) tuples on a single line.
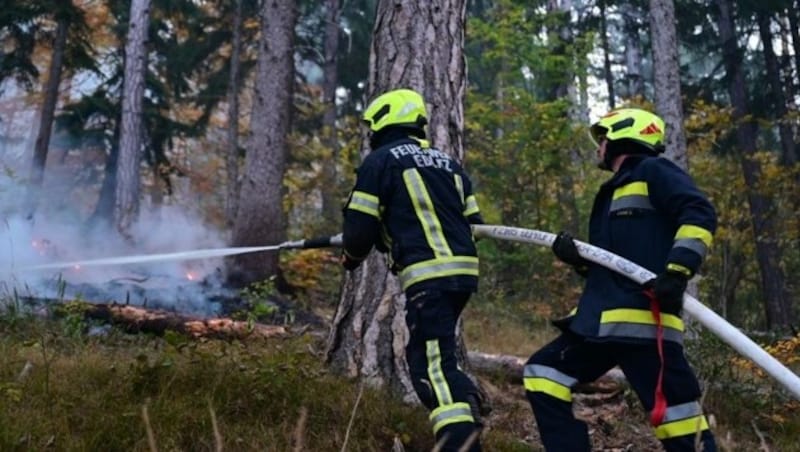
[(651, 213), (416, 203)]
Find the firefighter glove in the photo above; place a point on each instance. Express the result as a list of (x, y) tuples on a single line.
[(565, 250), (668, 288)]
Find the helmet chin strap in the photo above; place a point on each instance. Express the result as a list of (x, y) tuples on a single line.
[(622, 147)]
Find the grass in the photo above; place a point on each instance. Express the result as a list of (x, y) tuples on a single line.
[(63, 389), (493, 329), (87, 394)]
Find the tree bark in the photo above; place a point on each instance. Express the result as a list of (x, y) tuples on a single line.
[(794, 25), (777, 304), (788, 154), (331, 204), (633, 50), (609, 77), (232, 154), (565, 87), (418, 45), (42, 145), (669, 102), (260, 219), (126, 193), (139, 320)]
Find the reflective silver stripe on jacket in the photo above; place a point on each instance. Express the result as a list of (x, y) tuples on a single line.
[(695, 245), (637, 330), (631, 202)]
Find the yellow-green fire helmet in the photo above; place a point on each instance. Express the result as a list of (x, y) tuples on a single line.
[(401, 107), (633, 124)]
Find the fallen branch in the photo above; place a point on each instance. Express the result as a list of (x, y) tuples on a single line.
[(134, 319)]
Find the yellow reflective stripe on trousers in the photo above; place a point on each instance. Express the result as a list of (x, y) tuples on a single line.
[(423, 206), (435, 373), (438, 268), (538, 378), (688, 426), (364, 202), (450, 414)]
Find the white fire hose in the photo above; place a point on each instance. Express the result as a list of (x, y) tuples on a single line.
[(708, 318)]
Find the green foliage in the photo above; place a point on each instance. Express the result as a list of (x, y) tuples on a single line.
[(316, 274), (740, 393), (26, 25), (256, 297), (731, 282)]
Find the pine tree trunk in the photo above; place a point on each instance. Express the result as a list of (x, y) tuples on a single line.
[(609, 77), (126, 193), (778, 98), (232, 148), (260, 219), (633, 50), (418, 45), (46, 118), (777, 304), (794, 26), (564, 86), (331, 201), (669, 102)]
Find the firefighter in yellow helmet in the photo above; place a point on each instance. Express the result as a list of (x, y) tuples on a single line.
[(652, 213), (415, 203)]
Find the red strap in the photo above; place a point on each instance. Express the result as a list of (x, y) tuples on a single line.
[(660, 406)]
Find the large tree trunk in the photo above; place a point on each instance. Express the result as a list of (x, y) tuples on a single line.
[(777, 303), (232, 148), (126, 193), (104, 209), (632, 20), (418, 45), (608, 76), (46, 118), (788, 154), (794, 25), (331, 202), (561, 40), (260, 219), (669, 102)]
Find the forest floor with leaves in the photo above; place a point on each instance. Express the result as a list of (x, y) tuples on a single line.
[(77, 384)]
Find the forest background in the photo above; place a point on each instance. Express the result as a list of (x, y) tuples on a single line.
[(232, 142)]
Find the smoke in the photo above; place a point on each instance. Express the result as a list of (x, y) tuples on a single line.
[(59, 233), (183, 286)]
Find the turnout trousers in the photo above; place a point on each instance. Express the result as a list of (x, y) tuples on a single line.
[(449, 394), (551, 372)]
